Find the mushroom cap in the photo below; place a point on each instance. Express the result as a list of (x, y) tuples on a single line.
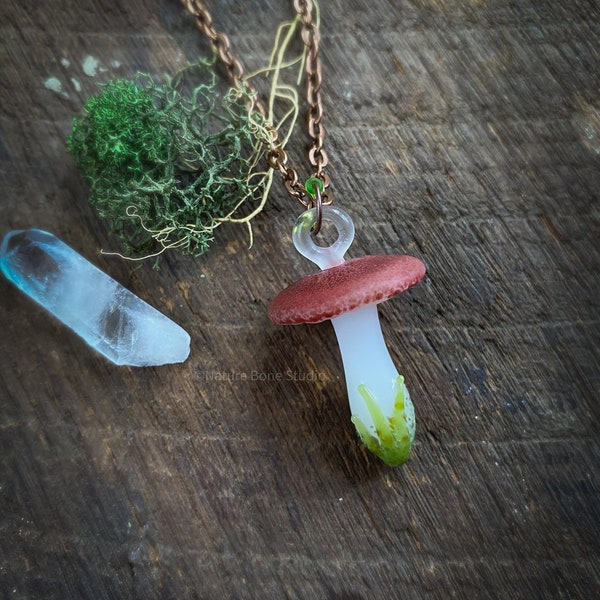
[(346, 287)]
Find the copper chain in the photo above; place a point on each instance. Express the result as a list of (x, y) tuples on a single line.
[(277, 157)]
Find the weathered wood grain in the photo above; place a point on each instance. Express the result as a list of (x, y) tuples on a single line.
[(466, 133)]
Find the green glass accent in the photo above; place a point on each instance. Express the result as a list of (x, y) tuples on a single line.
[(392, 439), (310, 186)]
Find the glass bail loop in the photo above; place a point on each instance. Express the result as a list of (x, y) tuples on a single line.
[(323, 256)]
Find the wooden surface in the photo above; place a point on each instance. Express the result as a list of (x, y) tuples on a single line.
[(466, 133)]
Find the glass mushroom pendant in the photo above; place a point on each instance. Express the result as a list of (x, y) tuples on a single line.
[(347, 292)]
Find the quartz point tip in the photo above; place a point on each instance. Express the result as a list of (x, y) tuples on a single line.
[(114, 321)]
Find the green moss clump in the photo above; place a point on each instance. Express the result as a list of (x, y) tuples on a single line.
[(121, 129), (166, 167)]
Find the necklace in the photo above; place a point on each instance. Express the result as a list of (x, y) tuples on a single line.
[(345, 292)]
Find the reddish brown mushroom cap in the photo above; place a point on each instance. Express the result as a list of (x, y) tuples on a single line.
[(345, 287)]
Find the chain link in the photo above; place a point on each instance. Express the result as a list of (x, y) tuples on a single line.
[(312, 38), (277, 158)]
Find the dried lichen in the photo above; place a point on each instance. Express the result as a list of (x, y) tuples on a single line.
[(166, 167)]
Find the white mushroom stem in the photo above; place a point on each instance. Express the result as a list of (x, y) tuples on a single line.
[(366, 360), (387, 425)]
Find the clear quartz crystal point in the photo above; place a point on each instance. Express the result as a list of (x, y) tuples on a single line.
[(111, 319)]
